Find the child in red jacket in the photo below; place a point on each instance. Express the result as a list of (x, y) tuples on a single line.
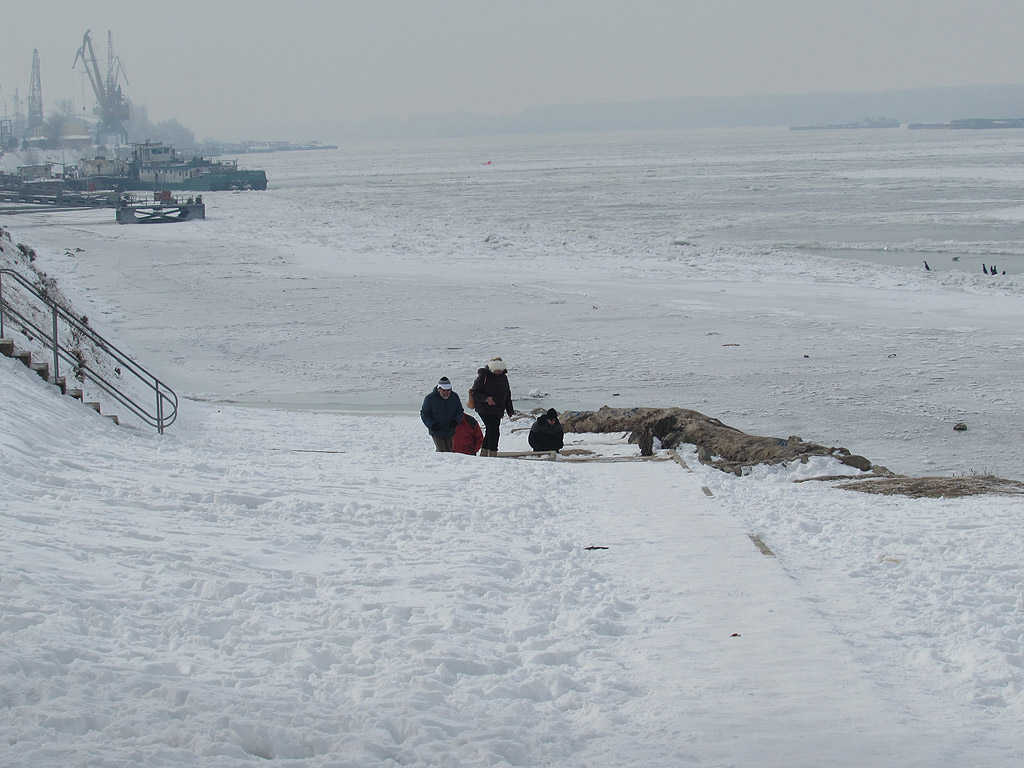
[(468, 436)]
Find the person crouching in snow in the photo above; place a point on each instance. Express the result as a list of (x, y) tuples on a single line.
[(492, 399), (468, 436), (441, 413), (547, 433)]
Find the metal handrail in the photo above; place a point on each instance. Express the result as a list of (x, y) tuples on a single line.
[(166, 401)]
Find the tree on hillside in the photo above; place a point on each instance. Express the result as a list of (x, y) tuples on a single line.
[(140, 128), (173, 132), (53, 130), (55, 127)]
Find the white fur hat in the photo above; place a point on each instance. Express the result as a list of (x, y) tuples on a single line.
[(496, 365)]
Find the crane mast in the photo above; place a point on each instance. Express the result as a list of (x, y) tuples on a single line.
[(35, 95), (114, 68)]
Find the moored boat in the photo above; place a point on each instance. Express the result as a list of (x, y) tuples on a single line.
[(157, 167)]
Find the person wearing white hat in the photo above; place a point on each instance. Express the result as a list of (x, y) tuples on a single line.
[(441, 413), (492, 399)]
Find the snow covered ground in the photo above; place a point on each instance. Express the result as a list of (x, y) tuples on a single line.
[(317, 588), (235, 592)]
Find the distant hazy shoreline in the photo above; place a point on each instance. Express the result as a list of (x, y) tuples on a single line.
[(922, 105)]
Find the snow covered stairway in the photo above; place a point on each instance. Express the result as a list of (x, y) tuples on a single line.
[(42, 316), (7, 349)]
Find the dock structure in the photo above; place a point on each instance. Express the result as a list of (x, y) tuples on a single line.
[(159, 208), (164, 209), (28, 200)]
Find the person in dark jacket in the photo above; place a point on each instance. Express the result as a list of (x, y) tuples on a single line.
[(547, 434), (441, 413), (492, 399), (468, 436)]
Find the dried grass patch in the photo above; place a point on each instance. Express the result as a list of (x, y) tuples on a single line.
[(936, 487)]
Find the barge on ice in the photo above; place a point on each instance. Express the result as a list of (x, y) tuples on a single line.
[(155, 167)]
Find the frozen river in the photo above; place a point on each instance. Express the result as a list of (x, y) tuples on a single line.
[(771, 279)]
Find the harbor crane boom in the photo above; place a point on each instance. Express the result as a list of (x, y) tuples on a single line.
[(110, 103)]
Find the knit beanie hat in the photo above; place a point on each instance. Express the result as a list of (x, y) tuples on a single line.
[(551, 414)]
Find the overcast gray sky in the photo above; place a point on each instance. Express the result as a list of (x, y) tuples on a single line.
[(233, 69)]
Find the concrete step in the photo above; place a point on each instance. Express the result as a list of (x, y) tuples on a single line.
[(8, 349)]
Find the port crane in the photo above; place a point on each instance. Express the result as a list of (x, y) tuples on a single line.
[(110, 101)]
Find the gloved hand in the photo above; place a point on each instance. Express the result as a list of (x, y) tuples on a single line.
[(435, 427), (454, 423)]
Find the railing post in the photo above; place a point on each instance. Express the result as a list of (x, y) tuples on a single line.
[(2, 306), (56, 356), (159, 409)]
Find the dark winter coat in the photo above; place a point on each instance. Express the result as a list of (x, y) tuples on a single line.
[(490, 384), (439, 415), (468, 436), (545, 436)]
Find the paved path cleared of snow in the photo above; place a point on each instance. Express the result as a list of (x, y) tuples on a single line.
[(733, 661)]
